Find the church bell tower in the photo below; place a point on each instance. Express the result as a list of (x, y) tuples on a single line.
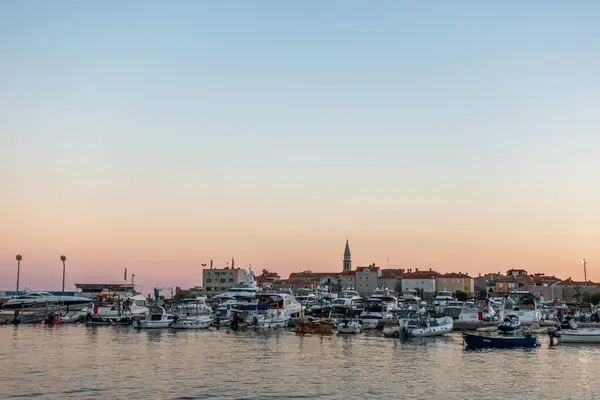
[(347, 259)]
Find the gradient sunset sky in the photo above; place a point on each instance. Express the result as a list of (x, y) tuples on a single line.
[(155, 136)]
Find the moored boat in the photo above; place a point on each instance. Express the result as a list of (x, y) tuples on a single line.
[(475, 341), (201, 322), (510, 324), (320, 327), (348, 326), (157, 318), (580, 336)]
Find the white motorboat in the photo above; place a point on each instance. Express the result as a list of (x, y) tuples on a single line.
[(280, 321), (348, 326), (374, 314), (580, 336), (135, 307), (41, 300), (191, 323), (157, 318), (430, 326), (442, 298), (421, 326)]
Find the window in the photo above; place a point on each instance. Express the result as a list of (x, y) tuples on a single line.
[(208, 280), (208, 288), (231, 280), (222, 280)]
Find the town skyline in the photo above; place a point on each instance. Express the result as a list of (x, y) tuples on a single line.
[(457, 137), (148, 282)]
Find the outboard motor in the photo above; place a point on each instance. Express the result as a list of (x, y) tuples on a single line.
[(49, 318)]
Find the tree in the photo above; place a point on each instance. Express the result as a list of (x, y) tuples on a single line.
[(592, 298), (461, 296)]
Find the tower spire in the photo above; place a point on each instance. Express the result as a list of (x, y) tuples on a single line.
[(347, 258)]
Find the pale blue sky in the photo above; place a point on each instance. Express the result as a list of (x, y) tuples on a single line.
[(342, 108)]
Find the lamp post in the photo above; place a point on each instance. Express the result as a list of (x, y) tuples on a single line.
[(19, 258), (63, 259), (584, 262)]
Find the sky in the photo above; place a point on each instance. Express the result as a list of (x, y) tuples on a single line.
[(153, 136)]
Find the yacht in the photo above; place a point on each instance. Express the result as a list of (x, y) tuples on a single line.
[(190, 307), (383, 295), (135, 307), (442, 298), (376, 312), (40, 300), (157, 318)]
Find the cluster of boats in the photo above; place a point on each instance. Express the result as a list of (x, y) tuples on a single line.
[(500, 322)]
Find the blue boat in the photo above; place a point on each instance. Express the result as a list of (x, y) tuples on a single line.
[(474, 341)]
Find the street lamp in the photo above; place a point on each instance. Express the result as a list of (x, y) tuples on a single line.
[(19, 258), (584, 262), (63, 259)]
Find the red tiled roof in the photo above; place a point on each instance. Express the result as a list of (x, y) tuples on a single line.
[(348, 273), (455, 275), (300, 282), (315, 275), (507, 279), (390, 275), (420, 275), (571, 282), (544, 278), (363, 268)]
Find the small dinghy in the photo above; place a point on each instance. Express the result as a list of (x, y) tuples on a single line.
[(106, 321), (347, 326), (426, 327), (279, 321), (510, 324), (475, 341), (25, 319), (319, 327), (191, 323)]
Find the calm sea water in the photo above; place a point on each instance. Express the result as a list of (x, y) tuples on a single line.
[(122, 363)]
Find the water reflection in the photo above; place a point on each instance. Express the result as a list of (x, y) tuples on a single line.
[(120, 362)]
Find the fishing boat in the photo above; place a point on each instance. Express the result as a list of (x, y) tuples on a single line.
[(201, 322), (157, 318), (580, 336), (320, 327), (475, 341), (510, 324), (108, 321), (348, 326)]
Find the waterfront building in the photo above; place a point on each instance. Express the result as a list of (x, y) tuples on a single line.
[(423, 282), (267, 279), (487, 283), (515, 272), (391, 279), (220, 280), (453, 281)]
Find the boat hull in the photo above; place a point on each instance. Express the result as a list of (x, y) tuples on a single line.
[(192, 324), (484, 342), (321, 328), (277, 322), (154, 324), (580, 336), (349, 327)]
